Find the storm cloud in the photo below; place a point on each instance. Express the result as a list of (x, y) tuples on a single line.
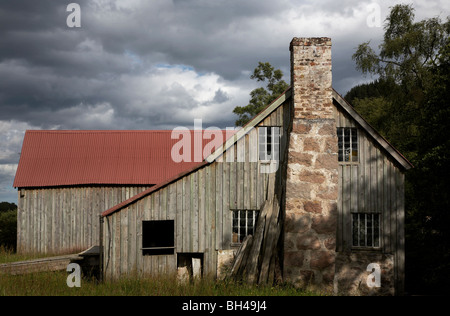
[(139, 64)]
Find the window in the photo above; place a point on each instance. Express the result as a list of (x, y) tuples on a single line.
[(348, 144), (243, 224), (366, 229), (158, 237), (269, 143)]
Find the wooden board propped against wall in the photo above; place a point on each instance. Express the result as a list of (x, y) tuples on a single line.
[(257, 260)]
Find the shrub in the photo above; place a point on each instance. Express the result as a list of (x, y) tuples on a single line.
[(8, 229)]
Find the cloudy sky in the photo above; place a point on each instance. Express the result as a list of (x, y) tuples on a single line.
[(158, 64)]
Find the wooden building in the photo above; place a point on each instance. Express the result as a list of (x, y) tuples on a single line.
[(66, 179), (341, 190)]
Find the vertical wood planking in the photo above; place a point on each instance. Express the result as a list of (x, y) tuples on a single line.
[(386, 206), (218, 210), (400, 183), (201, 210), (195, 212), (187, 214), (346, 202), (340, 219), (226, 224)]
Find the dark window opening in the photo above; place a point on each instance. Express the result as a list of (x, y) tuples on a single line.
[(158, 237), (193, 262), (269, 142)]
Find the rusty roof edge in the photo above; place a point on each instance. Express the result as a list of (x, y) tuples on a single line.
[(211, 158)]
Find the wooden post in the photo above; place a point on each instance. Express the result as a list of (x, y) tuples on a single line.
[(101, 248)]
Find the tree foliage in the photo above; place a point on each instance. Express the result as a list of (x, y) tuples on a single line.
[(261, 97), (409, 105), (6, 206), (8, 225)]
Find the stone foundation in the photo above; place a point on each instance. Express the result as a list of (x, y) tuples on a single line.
[(351, 273)]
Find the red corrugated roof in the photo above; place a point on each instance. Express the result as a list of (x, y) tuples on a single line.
[(64, 158)]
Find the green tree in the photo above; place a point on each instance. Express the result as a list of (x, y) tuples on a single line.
[(408, 52), (8, 225), (6, 206), (261, 97), (429, 216), (413, 112)]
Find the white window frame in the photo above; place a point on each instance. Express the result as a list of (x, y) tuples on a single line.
[(263, 143), (348, 148)]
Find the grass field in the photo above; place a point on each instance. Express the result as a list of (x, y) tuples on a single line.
[(54, 284)]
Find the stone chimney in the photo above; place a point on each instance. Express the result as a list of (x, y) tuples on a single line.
[(312, 170)]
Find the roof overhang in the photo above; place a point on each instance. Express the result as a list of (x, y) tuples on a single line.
[(391, 150)]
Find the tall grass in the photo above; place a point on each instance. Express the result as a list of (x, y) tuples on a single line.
[(54, 284), (9, 255)]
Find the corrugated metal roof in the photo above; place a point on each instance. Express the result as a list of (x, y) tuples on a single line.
[(64, 158)]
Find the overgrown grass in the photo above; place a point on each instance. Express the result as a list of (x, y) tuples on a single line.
[(54, 284), (8, 255)]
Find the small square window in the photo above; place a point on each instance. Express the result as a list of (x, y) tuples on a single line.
[(366, 230), (244, 223), (347, 144), (158, 237)]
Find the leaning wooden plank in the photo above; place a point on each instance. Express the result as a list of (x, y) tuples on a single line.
[(275, 275), (272, 267), (253, 261), (271, 186), (270, 241), (269, 215), (241, 273), (238, 261)]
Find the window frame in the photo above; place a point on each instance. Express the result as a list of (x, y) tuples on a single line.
[(372, 246), (158, 250), (263, 153), (255, 218), (342, 134)]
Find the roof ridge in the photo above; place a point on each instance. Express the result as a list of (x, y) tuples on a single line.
[(115, 131)]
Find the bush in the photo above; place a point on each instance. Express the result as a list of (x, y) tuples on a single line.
[(8, 229), (6, 206)]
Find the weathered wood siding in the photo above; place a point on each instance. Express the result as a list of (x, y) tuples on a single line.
[(60, 220), (374, 184), (200, 204)]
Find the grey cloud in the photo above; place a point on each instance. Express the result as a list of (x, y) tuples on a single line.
[(220, 97), (102, 75)]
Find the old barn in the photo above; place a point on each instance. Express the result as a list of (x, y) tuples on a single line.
[(340, 185), (66, 179)]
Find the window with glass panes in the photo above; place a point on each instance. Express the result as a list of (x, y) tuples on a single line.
[(244, 222), (269, 143), (347, 144), (366, 229)]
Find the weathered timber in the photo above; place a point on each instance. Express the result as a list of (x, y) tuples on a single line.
[(257, 259), (253, 261), (270, 242), (38, 265), (240, 257)]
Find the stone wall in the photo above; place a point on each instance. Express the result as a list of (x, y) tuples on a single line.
[(312, 170), (351, 273)]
